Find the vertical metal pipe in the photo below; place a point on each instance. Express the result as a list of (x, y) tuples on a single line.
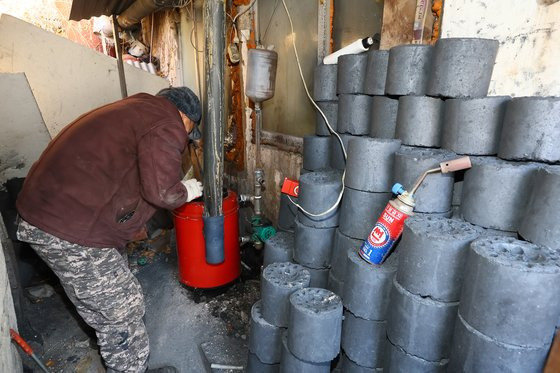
[(258, 129), (118, 52), (214, 116)]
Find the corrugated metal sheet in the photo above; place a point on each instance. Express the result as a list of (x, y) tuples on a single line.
[(85, 9)]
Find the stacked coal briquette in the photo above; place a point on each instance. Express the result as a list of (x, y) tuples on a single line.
[(294, 328), (494, 327), (508, 313)]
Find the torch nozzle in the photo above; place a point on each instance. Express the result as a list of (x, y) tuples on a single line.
[(444, 167)]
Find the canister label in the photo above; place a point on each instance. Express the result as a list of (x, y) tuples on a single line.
[(386, 231)]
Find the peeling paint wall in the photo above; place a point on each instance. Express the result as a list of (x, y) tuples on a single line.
[(529, 35)]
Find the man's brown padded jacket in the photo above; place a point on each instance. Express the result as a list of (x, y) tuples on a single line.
[(100, 180)]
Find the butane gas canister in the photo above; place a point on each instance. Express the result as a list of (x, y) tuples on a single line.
[(378, 245)]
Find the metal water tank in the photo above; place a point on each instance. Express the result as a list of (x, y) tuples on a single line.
[(261, 74)]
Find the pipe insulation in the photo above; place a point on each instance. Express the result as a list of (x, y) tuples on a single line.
[(140, 9), (213, 129)]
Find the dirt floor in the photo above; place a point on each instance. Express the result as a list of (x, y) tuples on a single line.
[(189, 329)]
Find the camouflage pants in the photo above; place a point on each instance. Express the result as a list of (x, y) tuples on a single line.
[(106, 295)]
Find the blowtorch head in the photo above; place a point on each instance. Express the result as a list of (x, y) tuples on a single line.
[(455, 165)]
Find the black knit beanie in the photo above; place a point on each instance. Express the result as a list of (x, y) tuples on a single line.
[(188, 103)]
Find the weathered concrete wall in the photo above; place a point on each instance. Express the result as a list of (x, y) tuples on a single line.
[(10, 360), (529, 35), (67, 79), (23, 135)]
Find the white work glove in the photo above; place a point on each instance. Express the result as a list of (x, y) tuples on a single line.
[(194, 188)]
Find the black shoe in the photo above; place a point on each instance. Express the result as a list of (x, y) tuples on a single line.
[(166, 369)]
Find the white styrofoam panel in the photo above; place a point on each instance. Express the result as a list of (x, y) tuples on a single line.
[(67, 79)]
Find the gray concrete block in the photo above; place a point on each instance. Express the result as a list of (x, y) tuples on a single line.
[(383, 117), (367, 286), (398, 360), (376, 72), (531, 129), (315, 325), (446, 214), (287, 213), (339, 255), (335, 285), (351, 74), (312, 246), (540, 221), (457, 192), (337, 155), (423, 327), (348, 366), (435, 193), (324, 83), (496, 232), (462, 67), (510, 291), (292, 364), (354, 114), (254, 365), (408, 70), (265, 339), (473, 352), (316, 152), (319, 277), (433, 253), (279, 248), (370, 164), (473, 125), (319, 191), (420, 121), (278, 282), (359, 211), (363, 341), (330, 109), (495, 192)]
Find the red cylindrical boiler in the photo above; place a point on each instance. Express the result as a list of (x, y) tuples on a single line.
[(194, 271)]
